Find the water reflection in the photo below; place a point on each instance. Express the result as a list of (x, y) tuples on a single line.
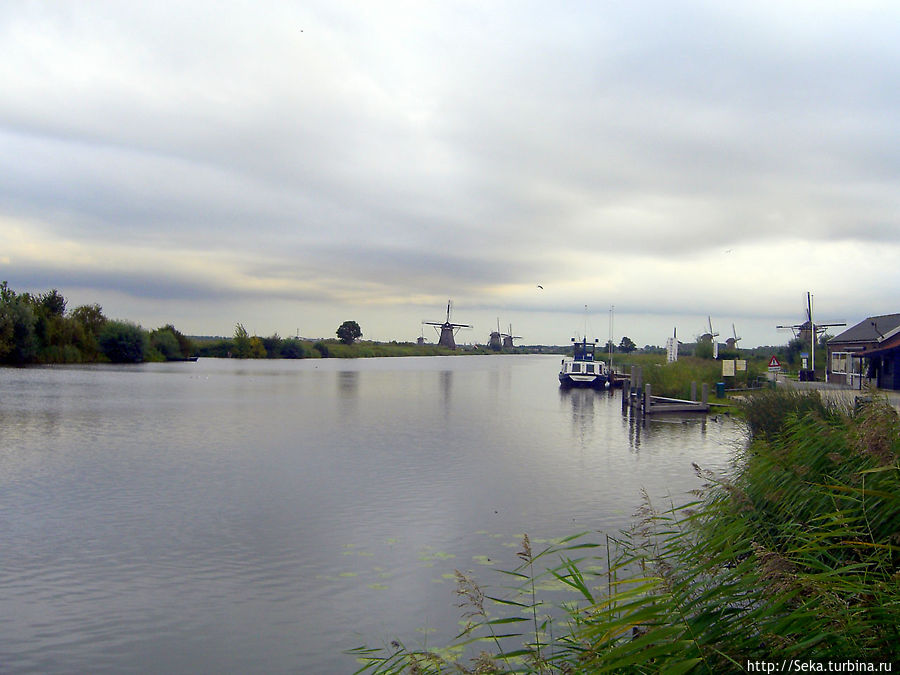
[(265, 516), (662, 426), (580, 403), (446, 387)]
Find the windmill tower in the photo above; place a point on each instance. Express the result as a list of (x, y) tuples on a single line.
[(448, 329), (711, 337), (732, 342), (495, 341), (509, 337)]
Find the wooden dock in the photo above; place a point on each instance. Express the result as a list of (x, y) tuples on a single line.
[(639, 397)]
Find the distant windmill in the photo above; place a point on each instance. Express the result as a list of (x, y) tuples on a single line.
[(448, 329), (809, 331), (732, 342), (509, 337), (711, 337), (804, 330), (495, 341)]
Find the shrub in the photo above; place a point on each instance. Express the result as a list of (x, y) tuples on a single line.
[(164, 341), (123, 342)]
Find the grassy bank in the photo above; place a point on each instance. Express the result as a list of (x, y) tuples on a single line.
[(674, 379), (296, 348), (794, 557)]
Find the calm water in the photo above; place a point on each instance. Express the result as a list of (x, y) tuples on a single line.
[(227, 516)]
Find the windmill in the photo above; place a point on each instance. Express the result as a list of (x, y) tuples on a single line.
[(496, 339), (711, 337), (809, 331), (509, 337), (732, 342), (448, 329)]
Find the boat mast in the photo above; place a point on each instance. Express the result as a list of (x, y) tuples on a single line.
[(612, 310)]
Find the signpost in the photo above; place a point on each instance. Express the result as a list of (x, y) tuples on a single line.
[(774, 365)]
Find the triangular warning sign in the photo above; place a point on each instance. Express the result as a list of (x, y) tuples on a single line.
[(773, 363)]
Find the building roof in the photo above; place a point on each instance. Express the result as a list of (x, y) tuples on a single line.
[(886, 346), (870, 330)]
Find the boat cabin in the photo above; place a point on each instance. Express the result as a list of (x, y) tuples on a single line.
[(584, 350)]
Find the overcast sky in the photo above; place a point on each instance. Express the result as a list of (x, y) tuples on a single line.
[(291, 165)]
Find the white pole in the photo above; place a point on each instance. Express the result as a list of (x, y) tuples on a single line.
[(812, 330), (611, 310)]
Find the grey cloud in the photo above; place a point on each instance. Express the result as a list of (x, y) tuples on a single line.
[(466, 145)]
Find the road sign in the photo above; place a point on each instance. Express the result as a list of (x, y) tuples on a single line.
[(774, 364)]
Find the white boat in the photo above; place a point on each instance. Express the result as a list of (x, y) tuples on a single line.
[(582, 369)]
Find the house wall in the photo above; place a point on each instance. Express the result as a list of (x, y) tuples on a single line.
[(889, 377), (844, 369)]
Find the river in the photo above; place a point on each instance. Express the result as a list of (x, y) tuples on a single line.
[(263, 516)]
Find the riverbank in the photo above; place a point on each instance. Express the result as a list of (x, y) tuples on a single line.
[(795, 556), (841, 394)]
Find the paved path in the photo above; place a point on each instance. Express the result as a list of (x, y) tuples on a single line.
[(841, 392)]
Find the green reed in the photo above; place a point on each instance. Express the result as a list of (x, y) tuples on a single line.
[(797, 555)]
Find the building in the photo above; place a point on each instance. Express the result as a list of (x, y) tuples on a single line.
[(867, 352)]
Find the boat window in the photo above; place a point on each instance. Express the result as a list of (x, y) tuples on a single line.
[(589, 367), (576, 367)]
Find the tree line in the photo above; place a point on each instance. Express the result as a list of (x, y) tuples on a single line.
[(40, 328)]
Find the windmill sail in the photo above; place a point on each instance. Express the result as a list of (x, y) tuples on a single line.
[(448, 329)]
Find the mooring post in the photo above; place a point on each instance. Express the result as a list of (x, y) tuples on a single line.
[(705, 392), (647, 402), (693, 391)]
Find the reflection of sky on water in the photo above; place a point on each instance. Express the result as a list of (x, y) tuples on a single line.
[(252, 513)]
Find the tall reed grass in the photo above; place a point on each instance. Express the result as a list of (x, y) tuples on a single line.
[(797, 555)]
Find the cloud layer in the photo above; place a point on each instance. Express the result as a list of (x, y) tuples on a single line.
[(212, 163)]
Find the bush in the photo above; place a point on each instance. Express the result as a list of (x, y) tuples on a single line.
[(767, 411), (292, 348), (124, 342), (165, 342)]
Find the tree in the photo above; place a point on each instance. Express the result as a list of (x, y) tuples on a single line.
[(53, 302), (349, 332), (87, 322), (165, 342), (795, 347), (627, 345), (273, 345), (257, 348), (292, 348), (18, 339), (185, 344), (124, 342), (241, 342)]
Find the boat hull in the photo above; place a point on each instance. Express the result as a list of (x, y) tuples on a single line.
[(596, 382)]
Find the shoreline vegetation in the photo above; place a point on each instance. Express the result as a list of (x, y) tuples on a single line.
[(793, 556), (41, 329)]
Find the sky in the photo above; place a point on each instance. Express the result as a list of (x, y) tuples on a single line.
[(604, 167)]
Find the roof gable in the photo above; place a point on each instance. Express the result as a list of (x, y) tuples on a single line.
[(870, 329)]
